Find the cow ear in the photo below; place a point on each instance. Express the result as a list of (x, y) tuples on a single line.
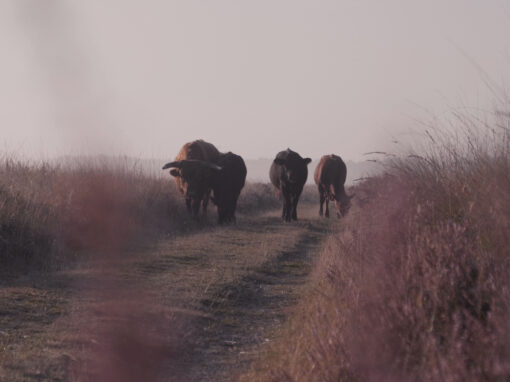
[(279, 161), (175, 172), (307, 160)]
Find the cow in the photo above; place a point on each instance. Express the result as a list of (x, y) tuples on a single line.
[(288, 174), (329, 177), (227, 185), (193, 169)]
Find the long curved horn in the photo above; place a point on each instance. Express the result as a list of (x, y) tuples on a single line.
[(184, 162), (203, 163), (212, 166), (176, 164)]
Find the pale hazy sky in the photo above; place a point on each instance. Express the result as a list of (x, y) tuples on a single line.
[(254, 77)]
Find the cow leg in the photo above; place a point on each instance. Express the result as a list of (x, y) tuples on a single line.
[(284, 207), (327, 206), (205, 202), (218, 209), (195, 208), (295, 203), (188, 205), (287, 208), (321, 196), (292, 213), (233, 210), (339, 200), (338, 208), (221, 215), (227, 213), (231, 217)]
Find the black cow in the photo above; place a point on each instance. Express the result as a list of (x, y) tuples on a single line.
[(227, 185), (288, 174)]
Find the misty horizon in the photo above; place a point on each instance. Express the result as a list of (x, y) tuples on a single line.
[(258, 169)]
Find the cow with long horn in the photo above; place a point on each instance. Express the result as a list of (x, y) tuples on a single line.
[(193, 169), (330, 175)]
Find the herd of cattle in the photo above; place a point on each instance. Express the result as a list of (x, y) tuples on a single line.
[(199, 169)]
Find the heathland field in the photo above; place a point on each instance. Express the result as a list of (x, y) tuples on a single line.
[(109, 280), (106, 278)]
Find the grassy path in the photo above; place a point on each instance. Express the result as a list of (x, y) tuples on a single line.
[(191, 308)]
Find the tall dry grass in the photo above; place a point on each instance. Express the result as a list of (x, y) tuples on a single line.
[(260, 197), (257, 197), (53, 214), (416, 287), (50, 214)]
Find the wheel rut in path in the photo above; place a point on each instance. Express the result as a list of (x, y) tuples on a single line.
[(247, 311)]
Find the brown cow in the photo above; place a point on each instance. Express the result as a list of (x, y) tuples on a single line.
[(193, 169), (330, 176)]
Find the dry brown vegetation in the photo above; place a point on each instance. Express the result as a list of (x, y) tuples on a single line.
[(132, 288), (188, 307), (53, 214), (416, 285)]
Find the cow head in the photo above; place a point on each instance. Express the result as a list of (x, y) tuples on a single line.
[(194, 179), (292, 167), (344, 203)]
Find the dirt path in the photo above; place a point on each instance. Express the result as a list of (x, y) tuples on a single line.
[(191, 308)]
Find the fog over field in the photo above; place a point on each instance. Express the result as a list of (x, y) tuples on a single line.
[(142, 78), (258, 169)]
